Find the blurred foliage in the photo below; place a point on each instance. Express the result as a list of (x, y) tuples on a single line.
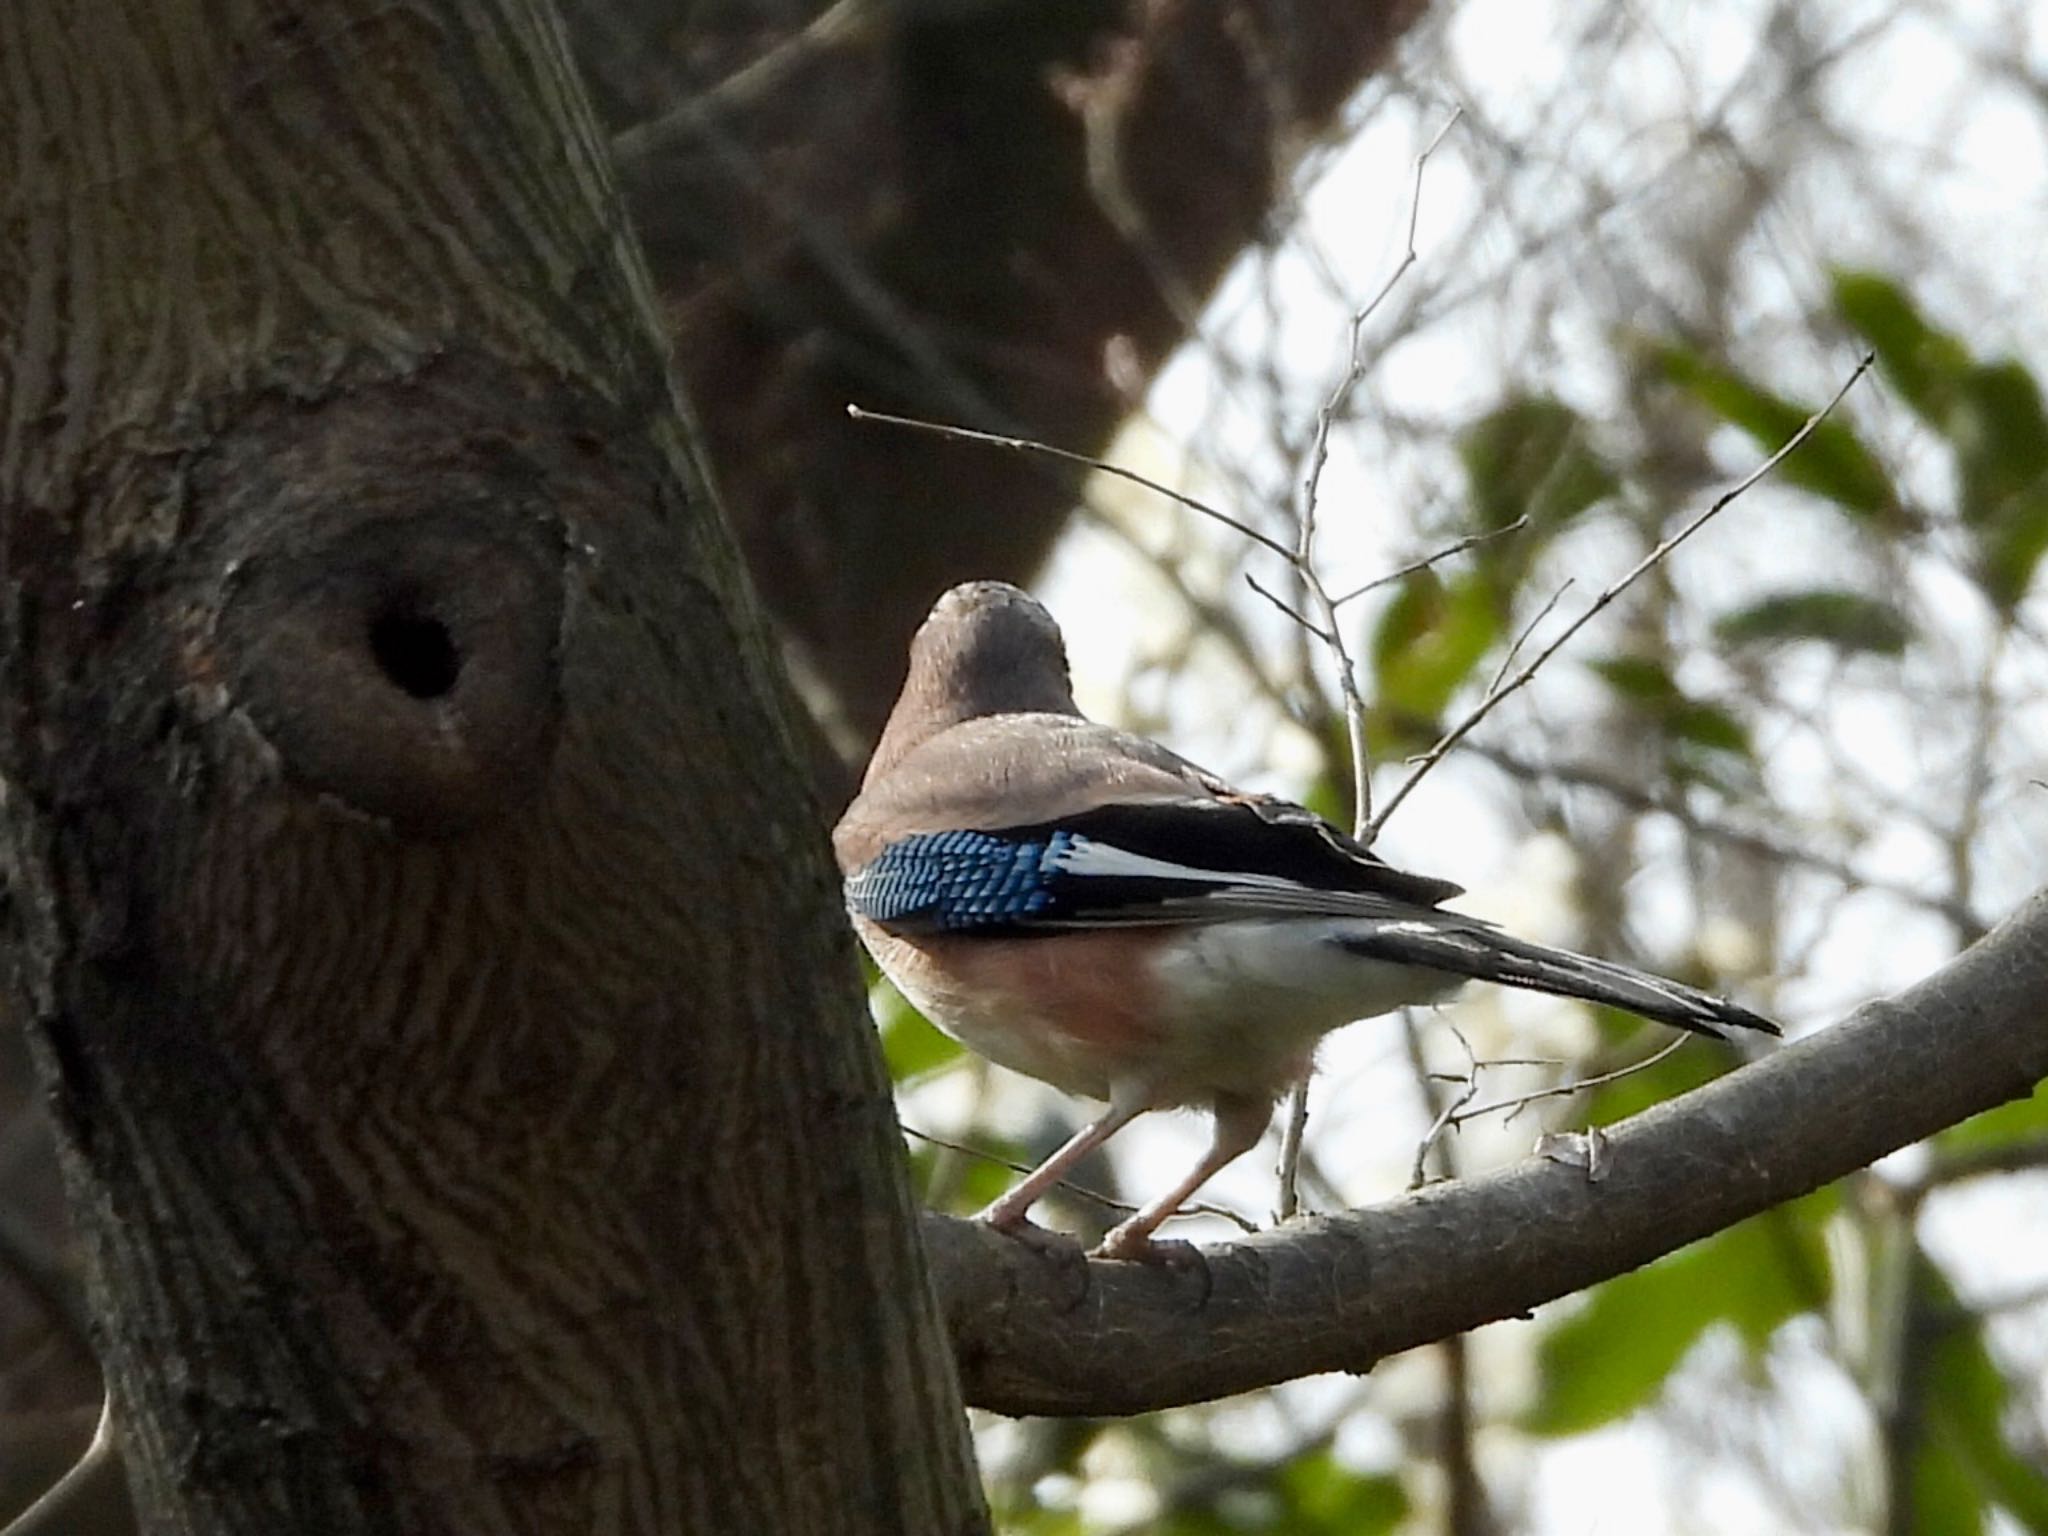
[(1531, 458), (1704, 743), (1441, 638), (1311, 1493), (1833, 462), (1990, 414), (1961, 1461), (1610, 1357), (1849, 621), (1429, 639)]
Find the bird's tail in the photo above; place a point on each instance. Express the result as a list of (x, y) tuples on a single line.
[(1468, 947)]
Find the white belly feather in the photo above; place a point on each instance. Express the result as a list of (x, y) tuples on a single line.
[(1249, 997)]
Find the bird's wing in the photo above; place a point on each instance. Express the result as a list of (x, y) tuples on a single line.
[(1023, 825), (1023, 822)]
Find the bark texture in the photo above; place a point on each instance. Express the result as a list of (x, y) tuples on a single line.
[(1342, 1292), (421, 923)]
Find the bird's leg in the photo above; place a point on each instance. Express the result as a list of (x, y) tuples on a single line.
[(1240, 1122), (1007, 1213)]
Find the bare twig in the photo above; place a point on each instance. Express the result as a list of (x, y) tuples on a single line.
[(1286, 607), (1446, 1114), (1319, 450), (1328, 629), (1501, 691), (92, 1496), (1517, 1103), (1744, 840), (1522, 636), (1030, 446), (1458, 547)]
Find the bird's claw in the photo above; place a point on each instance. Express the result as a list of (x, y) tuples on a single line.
[(1143, 1248)]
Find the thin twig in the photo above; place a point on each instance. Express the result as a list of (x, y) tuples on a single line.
[(91, 1495), (1329, 630), (1286, 607), (1319, 450), (1470, 541), (1107, 1202), (1031, 445), (1521, 1101), (1495, 695), (1759, 844), (1447, 1113), (1522, 636)]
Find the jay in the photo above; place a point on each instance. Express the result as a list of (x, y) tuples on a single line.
[(1080, 904)]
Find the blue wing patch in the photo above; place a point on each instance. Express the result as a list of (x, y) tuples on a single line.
[(951, 881)]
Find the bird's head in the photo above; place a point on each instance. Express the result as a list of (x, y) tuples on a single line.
[(986, 648)]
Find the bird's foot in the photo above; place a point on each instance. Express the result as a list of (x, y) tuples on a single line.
[(1136, 1247), (1184, 1260), (1031, 1235)]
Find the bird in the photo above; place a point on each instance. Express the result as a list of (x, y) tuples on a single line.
[(1082, 905)]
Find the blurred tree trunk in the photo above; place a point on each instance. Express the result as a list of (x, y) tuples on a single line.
[(1003, 213), (419, 918)]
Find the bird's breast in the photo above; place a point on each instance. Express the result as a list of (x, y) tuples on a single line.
[(1077, 1010), (1190, 1011)]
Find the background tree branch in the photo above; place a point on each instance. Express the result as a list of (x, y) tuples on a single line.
[(999, 214), (1340, 1293)]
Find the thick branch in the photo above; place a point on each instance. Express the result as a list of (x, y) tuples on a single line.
[(1341, 1293)]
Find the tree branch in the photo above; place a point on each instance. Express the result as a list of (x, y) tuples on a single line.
[(1341, 1293)]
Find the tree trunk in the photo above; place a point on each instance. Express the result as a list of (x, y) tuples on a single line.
[(423, 928)]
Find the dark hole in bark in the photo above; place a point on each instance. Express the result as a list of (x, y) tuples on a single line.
[(416, 652)]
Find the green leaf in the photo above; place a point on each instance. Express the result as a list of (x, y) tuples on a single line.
[(1709, 726), (1530, 457), (1849, 621), (1640, 680), (1943, 1499), (1612, 1356), (1923, 364), (2000, 433), (1964, 1411), (1649, 687), (910, 1045), (2022, 1120), (1429, 639), (1324, 1498), (1704, 743), (1832, 462), (1992, 415)]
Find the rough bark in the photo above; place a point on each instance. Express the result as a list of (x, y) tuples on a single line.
[(421, 923), (1003, 214), (1340, 1293)]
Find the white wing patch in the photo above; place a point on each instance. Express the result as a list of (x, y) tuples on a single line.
[(1086, 856)]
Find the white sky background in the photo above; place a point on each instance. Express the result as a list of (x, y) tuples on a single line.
[(1928, 160)]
